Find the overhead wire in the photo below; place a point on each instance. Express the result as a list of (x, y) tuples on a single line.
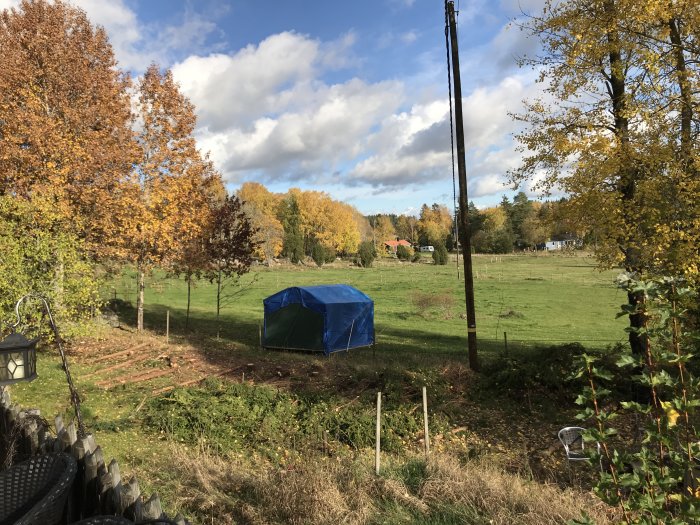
[(452, 141)]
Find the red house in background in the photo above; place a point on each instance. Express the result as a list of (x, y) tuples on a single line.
[(391, 246)]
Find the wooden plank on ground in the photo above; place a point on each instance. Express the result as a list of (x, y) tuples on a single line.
[(124, 364), (194, 381), (121, 353), (109, 383)]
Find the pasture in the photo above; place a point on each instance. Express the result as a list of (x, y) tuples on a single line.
[(419, 308), (287, 437)]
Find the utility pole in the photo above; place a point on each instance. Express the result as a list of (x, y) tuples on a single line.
[(464, 226)]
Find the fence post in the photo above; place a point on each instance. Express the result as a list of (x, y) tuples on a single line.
[(167, 326), (425, 421), (505, 342), (378, 433)]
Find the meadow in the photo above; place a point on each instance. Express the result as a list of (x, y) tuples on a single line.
[(419, 307), (288, 437)]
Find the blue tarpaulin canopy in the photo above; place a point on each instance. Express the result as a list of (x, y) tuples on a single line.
[(324, 318)]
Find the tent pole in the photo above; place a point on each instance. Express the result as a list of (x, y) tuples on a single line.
[(347, 349)]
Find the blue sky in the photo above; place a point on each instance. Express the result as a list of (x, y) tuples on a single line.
[(344, 97)]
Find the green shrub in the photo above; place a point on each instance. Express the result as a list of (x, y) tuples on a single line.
[(656, 481), (440, 255), (322, 254), (416, 257), (366, 254), (238, 417), (403, 252)]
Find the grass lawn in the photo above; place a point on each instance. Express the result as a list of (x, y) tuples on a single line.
[(535, 299), (248, 450)]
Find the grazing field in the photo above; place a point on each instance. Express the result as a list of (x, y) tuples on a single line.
[(419, 307), (227, 433)]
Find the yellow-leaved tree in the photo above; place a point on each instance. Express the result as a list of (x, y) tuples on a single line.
[(66, 147), (171, 194), (65, 129), (261, 206), (618, 130), (434, 224)]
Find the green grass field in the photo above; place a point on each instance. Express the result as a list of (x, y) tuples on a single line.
[(192, 446), (534, 299)]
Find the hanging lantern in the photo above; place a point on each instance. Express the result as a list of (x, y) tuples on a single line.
[(17, 359)]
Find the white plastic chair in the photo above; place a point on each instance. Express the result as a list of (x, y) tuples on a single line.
[(572, 439)]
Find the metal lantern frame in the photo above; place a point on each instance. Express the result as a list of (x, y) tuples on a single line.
[(17, 359), (18, 354)]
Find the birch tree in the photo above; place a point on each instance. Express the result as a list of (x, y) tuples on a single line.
[(617, 129), (169, 204)]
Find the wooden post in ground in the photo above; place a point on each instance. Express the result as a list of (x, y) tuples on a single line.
[(425, 422), (378, 433), (167, 326), (505, 342)]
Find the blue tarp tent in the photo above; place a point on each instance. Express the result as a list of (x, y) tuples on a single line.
[(324, 318)]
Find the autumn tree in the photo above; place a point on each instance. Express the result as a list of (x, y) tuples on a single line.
[(65, 145), (434, 224), (362, 225), (261, 207), (618, 134), (407, 228), (169, 204), (191, 258), (326, 222), (230, 243), (495, 234), (383, 231), (65, 126)]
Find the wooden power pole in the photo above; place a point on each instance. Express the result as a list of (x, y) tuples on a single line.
[(464, 226)]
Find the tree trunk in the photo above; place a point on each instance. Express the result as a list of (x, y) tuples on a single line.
[(59, 276), (141, 284), (628, 174)]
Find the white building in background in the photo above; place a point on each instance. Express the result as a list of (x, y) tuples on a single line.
[(560, 245)]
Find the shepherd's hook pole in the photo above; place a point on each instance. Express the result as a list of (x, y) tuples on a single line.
[(74, 397)]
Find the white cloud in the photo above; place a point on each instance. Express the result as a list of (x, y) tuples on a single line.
[(136, 45), (282, 120), (231, 90), (409, 37), (414, 147), (7, 4), (486, 185)]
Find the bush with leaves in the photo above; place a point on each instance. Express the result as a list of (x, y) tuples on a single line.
[(655, 479), (404, 252), (440, 255), (40, 256), (366, 254), (322, 254)]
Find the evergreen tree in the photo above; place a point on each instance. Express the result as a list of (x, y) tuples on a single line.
[(293, 243)]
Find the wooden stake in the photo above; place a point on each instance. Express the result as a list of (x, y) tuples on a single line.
[(167, 326), (377, 447), (505, 341), (425, 421)]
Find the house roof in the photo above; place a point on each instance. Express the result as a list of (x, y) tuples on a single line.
[(395, 244)]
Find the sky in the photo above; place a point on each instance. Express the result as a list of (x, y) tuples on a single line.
[(346, 97)]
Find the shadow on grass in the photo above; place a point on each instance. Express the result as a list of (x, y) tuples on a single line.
[(401, 347)]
